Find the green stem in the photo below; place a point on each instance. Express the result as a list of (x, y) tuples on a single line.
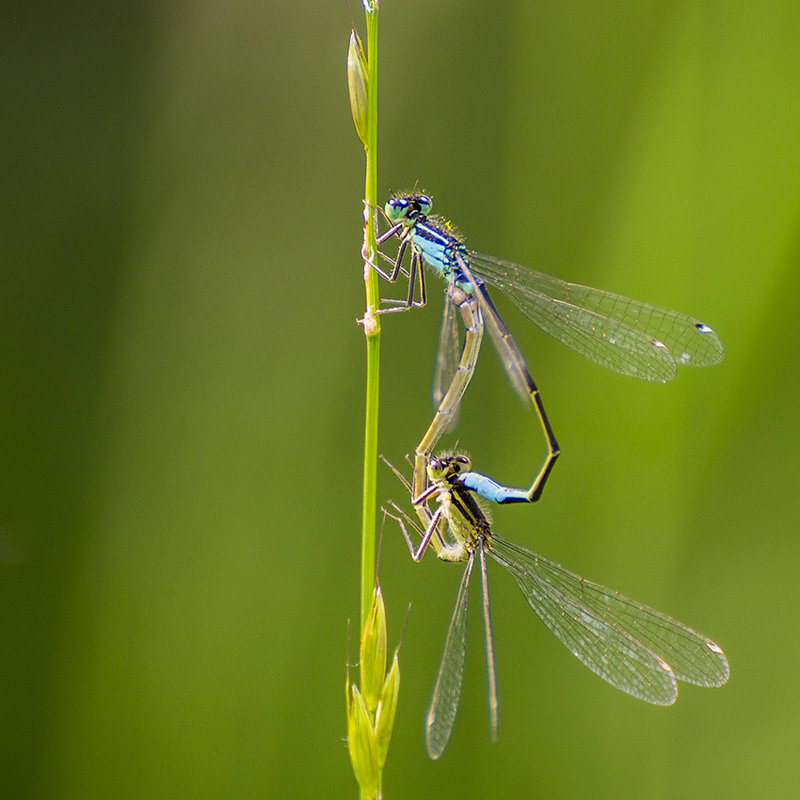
[(372, 328)]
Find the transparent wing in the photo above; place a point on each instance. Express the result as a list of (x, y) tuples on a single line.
[(488, 641), (628, 336), (447, 357), (632, 646), (447, 690)]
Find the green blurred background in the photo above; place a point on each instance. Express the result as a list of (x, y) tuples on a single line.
[(183, 379)]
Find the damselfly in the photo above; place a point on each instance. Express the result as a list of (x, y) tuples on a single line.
[(632, 646), (628, 336)]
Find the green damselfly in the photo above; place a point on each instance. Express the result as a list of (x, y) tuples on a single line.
[(634, 647), (628, 336)]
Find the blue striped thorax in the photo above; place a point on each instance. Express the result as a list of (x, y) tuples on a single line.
[(432, 238)]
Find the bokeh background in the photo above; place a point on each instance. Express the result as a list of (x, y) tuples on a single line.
[(183, 378)]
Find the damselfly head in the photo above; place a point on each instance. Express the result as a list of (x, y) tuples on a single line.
[(407, 207), (447, 467)]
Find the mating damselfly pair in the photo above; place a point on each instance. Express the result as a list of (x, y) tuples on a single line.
[(632, 646)]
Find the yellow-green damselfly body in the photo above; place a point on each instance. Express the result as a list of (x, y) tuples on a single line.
[(635, 648), (627, 336)]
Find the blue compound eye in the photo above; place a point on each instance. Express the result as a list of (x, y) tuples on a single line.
[(424, 203), (396, 208)]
